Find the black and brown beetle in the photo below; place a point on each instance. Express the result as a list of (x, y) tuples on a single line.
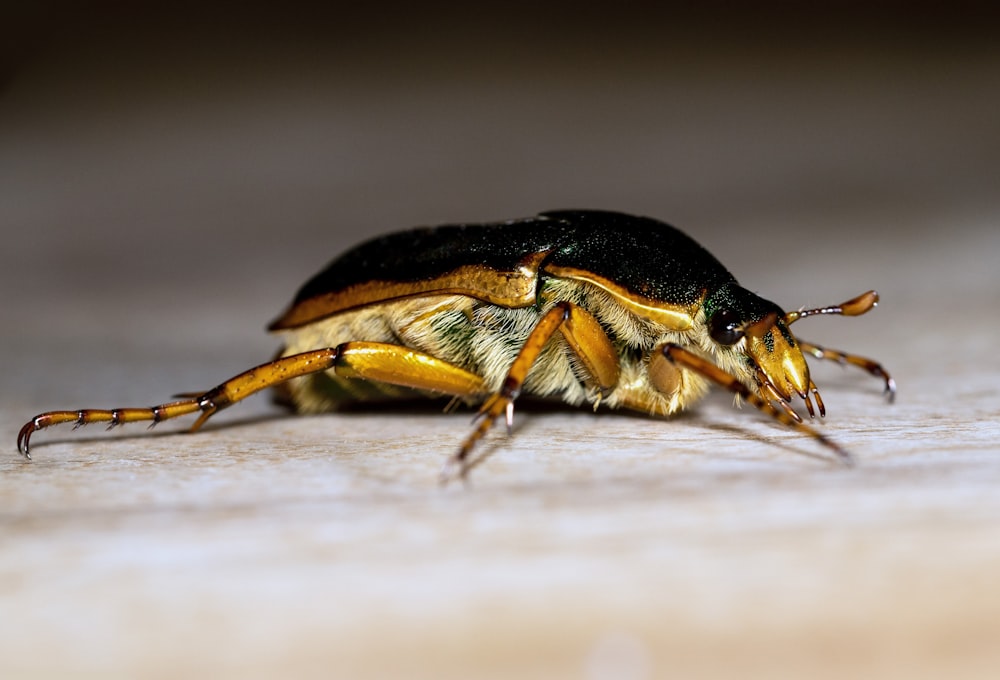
[(584, 306)]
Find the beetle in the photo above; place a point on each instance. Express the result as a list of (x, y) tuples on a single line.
[(590, 307)]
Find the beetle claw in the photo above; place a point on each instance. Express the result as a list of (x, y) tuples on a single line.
[(890, 389), (24, 438)]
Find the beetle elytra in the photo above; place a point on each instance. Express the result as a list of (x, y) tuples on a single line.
[(585, 306)]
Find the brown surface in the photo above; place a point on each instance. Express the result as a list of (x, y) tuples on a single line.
[(159, 210)]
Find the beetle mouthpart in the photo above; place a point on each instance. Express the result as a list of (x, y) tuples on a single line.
[(820, 406), (808, 397), (811, 397), (773, 394)]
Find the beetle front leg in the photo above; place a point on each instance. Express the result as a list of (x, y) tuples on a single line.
[(687, 359), (585, 338), (869, 365)]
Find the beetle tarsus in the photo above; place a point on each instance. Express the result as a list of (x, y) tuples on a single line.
[(23, 438), (845, 359), (890, 384), (890, 389), (497, 405)]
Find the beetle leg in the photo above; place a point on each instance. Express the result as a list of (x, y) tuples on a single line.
[(842, 358), (229, 392), (585, 338), (114, 417), (367, 360), (405, 367), (707, 369), (589, 342), (503, 401)]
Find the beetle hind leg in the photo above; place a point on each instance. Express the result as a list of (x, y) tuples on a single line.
[(207, 403), (365, 360)]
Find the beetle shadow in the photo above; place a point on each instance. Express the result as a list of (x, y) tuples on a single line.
[(533, 406), (536, 406), (740, 433), (528, 406)]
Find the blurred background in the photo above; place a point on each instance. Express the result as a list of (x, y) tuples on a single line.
[(203, 159), (170, 173)]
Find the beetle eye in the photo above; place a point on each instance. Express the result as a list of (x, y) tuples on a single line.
[(724, 327)]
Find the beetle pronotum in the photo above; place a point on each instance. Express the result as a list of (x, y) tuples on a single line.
[(585, 306)]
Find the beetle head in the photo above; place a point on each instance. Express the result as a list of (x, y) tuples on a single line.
[(757, 329)]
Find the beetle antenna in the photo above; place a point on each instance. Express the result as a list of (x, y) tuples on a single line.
[(853, 307)]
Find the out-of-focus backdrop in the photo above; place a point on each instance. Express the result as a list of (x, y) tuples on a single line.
[(170, 175)]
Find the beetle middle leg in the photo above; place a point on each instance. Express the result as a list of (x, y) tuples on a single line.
[(585, 338)]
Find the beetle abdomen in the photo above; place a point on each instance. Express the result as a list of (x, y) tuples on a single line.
[(483, 339)]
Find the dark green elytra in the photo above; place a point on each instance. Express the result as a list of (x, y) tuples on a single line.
[(645, 256)]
